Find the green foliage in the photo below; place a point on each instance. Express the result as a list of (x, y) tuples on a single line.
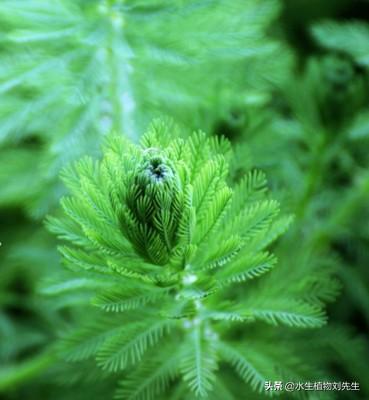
[(350, 38), (177, 284), (73, 70), (27, 321), (321, 136), (151, 219)]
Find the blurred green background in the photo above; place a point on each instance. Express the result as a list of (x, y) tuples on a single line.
[(287, 82)]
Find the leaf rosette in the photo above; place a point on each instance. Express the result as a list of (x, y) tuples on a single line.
[(166, 249)]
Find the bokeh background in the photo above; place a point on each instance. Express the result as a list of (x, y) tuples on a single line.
[(287, 82)]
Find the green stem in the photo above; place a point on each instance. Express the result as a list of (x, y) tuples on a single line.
[(14, 375), (121, 91), (315, 176)]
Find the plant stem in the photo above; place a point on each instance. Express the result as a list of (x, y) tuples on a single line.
[(120, 54), (13, 375), (316, 174)]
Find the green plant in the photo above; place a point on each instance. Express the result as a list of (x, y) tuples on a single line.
[(74, 69), (174, 261), (316, 144), (149, 304)]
